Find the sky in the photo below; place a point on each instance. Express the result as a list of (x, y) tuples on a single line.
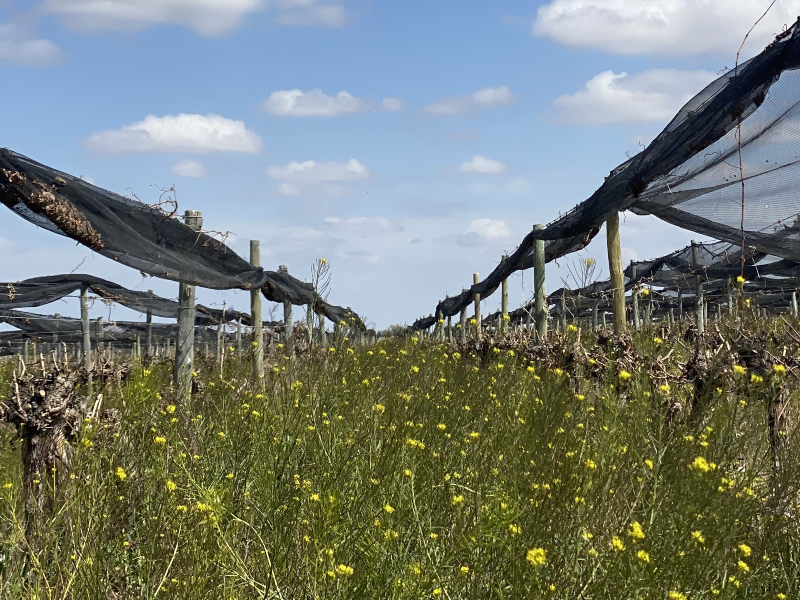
[(410, 144)]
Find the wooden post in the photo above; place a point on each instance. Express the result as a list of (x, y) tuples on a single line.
[(255, 317), (86, 332), (477, 299), (310, 324), (321, 331), (138, 347), (615, 268), (794, 304), (635, 294), (288, 323), (184, 350), (462, 319), (540, 308), (149, 336), (503, 300), (680, 304), (595, 307), (450, 329), (239, 337), (699, 310)]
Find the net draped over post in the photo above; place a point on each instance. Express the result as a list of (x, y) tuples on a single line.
[(690, 174)]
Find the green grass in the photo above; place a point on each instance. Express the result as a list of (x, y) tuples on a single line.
[(410, 471)]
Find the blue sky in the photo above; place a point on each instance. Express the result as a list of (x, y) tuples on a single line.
[(441, 132)]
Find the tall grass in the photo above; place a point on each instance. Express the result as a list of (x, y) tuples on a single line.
[(414, 471)]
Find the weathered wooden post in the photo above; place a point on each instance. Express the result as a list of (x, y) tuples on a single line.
[(477, 300), (595, 307), (794, 303), (540, 308), (255, 318), (86, 332), (310, 324), (615, 268), (321, 331), (503, 300), (698, 283), (184, 349), (462, 319), (239, 337), (288, 323), (635, 294), (680, 304), (149, 330), (220, 340), (138, 347)]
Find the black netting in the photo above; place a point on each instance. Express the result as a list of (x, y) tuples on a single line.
[(141, 236), (691, 174)]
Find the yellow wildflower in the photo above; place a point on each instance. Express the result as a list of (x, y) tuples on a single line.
[(537, 557)]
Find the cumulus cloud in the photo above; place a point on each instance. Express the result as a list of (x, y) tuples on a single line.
[(675, 27), (482, 232), (189, 168), (362, 224), (311, 171), (488, 97), (490, 229), (481, 165), (315, 103), (18, 49), (191, 133), (649, 96)]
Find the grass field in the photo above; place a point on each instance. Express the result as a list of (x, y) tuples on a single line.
[(417, 470)]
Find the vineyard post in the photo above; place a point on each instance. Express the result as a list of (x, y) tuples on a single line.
[(184, 350), (86, 332), (255, 318), (463, 320), (794, 304), (288, 324), (322, 338), (310, 324), (477, 299), (635, 293), (595, 307), (503, 300), (540, 308), (680, 304), (615, 268), (149, 337), (438, 330), (239, 337), (698, 283), (450, 329), (55, 339)]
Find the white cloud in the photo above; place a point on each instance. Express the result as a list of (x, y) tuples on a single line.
[(191, 133), (482, 232), (315, 103), (488, 97), (362, 224), (490, 229), (675, 27), (16, 48), (313, 14), (482, 165), (392, 104), (313, 172), (208, 17), (649, 96), (189, 168)]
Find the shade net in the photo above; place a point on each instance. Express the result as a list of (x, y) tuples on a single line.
[(40, 291), (142, 236), (739, 135)]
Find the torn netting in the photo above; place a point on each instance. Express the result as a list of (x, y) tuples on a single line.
[(141, 236), (690, 174)]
